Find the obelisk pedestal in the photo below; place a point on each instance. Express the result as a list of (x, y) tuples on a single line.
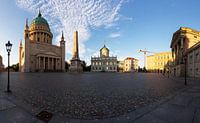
[(75, 65)]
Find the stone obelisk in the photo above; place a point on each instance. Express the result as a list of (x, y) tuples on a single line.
[(75, 52), (75, 65)]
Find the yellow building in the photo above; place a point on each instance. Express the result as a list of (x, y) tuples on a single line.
[(182, 40), (159, 62)]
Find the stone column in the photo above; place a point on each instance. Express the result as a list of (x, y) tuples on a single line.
[(36, 36), (43, 63), (56, 63), (48, 62), (177, 54), (38, 62), (47, 38), (52, 63), (173, 56), (182, 43), (43, 37), (61, 64)]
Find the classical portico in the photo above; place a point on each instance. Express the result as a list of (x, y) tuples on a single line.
[(48, 63), (182, 40)]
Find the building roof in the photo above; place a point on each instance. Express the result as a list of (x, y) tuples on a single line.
[(194, 47), (181, 32), (160, 53), (130, 58), (39, 20), (104, 47)]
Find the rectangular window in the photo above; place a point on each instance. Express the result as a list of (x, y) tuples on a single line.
[(197, 57), (190, 59)]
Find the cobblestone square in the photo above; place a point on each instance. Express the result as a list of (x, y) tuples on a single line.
[(90, 95)]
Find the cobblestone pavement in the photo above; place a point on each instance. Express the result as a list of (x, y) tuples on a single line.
[(90, 95)]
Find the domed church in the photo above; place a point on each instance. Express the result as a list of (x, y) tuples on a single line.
[(38, 54)]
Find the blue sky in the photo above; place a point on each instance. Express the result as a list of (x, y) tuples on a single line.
[(125, 25)]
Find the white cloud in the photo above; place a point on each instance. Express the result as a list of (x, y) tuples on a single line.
[(126, 18), (115, 35), (71, 15)]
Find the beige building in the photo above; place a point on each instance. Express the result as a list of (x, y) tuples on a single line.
[(130, 64), (159, 62), (104, 63), (193, 60), (182, 40), (1, 64), (38, 53)]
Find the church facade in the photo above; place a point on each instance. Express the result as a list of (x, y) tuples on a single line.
[(38, 54), (104, 63)]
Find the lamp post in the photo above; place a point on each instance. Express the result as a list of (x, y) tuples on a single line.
[(8, 48), (168, 72)]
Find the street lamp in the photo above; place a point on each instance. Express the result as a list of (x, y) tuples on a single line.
[(168, 72), (8, 48)]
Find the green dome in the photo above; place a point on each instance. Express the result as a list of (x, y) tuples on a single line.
[(39, 20)]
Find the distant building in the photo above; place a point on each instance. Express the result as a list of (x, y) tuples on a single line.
[(159, 62), (1, 64), (130, 64), (38, 52), (193, 60), (120, 65), (182, 40), (104, 63)]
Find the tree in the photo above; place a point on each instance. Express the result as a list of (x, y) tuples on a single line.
[(14, 67), (85, 67)]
